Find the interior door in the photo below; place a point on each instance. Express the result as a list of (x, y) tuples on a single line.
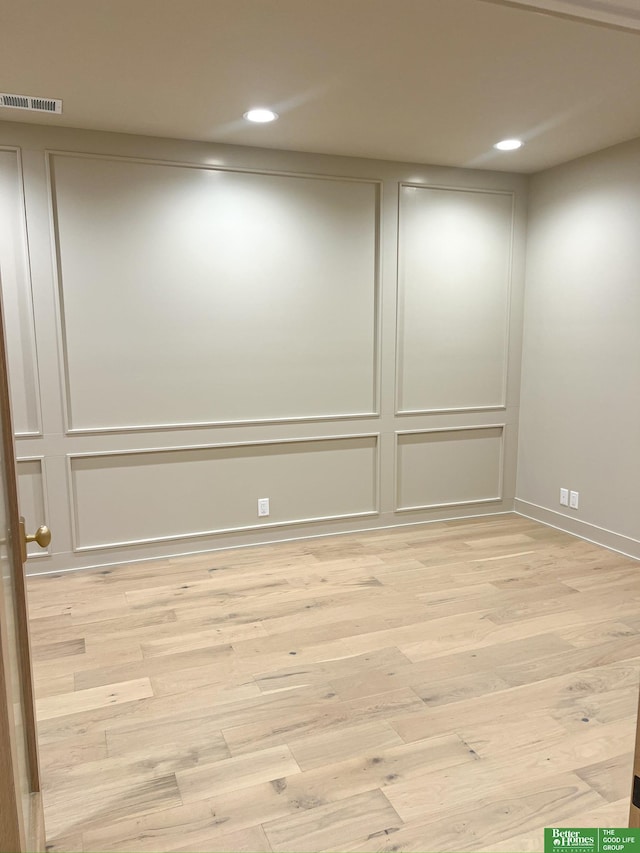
[(21, 821)]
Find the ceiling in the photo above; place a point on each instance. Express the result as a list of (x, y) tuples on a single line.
[(430, 81)]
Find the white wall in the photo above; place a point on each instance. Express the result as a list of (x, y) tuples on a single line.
[(580, 415), (195, 326)]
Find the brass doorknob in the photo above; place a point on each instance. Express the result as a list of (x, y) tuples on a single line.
[(42, 536)]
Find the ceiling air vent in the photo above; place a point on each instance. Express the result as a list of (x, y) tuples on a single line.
[(28, 102)]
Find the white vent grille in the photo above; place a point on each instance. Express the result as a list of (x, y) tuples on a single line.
[(28, 102)]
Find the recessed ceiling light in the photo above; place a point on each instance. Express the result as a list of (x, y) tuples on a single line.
[(261, 115), (509, 144)]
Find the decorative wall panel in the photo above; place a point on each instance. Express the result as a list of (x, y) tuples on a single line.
[(31, 494), (154, 495), (17, 299), (454, 285), (449, 466), (198, 296)]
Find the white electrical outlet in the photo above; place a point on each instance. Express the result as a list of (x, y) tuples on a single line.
[(573, 499), (564, 497), (263, 506)]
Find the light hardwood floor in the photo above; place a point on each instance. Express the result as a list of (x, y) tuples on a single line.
[(456, 686)]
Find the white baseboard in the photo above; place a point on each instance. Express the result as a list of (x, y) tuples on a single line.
[(64, 562), (582, 529)]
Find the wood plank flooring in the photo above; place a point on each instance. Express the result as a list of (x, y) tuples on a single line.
[(452, 687)]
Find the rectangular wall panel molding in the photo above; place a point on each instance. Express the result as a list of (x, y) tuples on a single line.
[(17, 298), (194, 326), (32, 495), (449, 467), (454, 283), (195, 296), (125, 498)]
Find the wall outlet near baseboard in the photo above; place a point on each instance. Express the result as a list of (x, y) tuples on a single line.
[(573, 499), (564, 497), (263, 506)]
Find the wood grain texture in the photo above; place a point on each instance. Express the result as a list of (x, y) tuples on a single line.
[(94, 697), (11, 825), (634, 810), (17, 708), (456, 686)]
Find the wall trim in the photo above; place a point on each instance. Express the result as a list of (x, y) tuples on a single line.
[(204, 424), (32, 344), (219, 531), (502, 405), (618, 542), (460, 410), (397, 525), (450, 503), (41, 460), (73, 502), (69, 429), (219, 167), (499, 497)]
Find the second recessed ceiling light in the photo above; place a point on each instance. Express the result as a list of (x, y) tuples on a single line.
[(509, 144), (261, 115)]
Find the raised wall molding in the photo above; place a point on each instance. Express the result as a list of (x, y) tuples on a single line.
[(363, 355), (22, 352), (502, 336), (33, 497), (224, 479), (439, 478)]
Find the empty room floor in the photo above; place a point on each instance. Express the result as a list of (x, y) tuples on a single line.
[(454, 686)]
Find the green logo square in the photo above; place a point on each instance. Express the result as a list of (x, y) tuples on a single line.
[(591, 840)]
